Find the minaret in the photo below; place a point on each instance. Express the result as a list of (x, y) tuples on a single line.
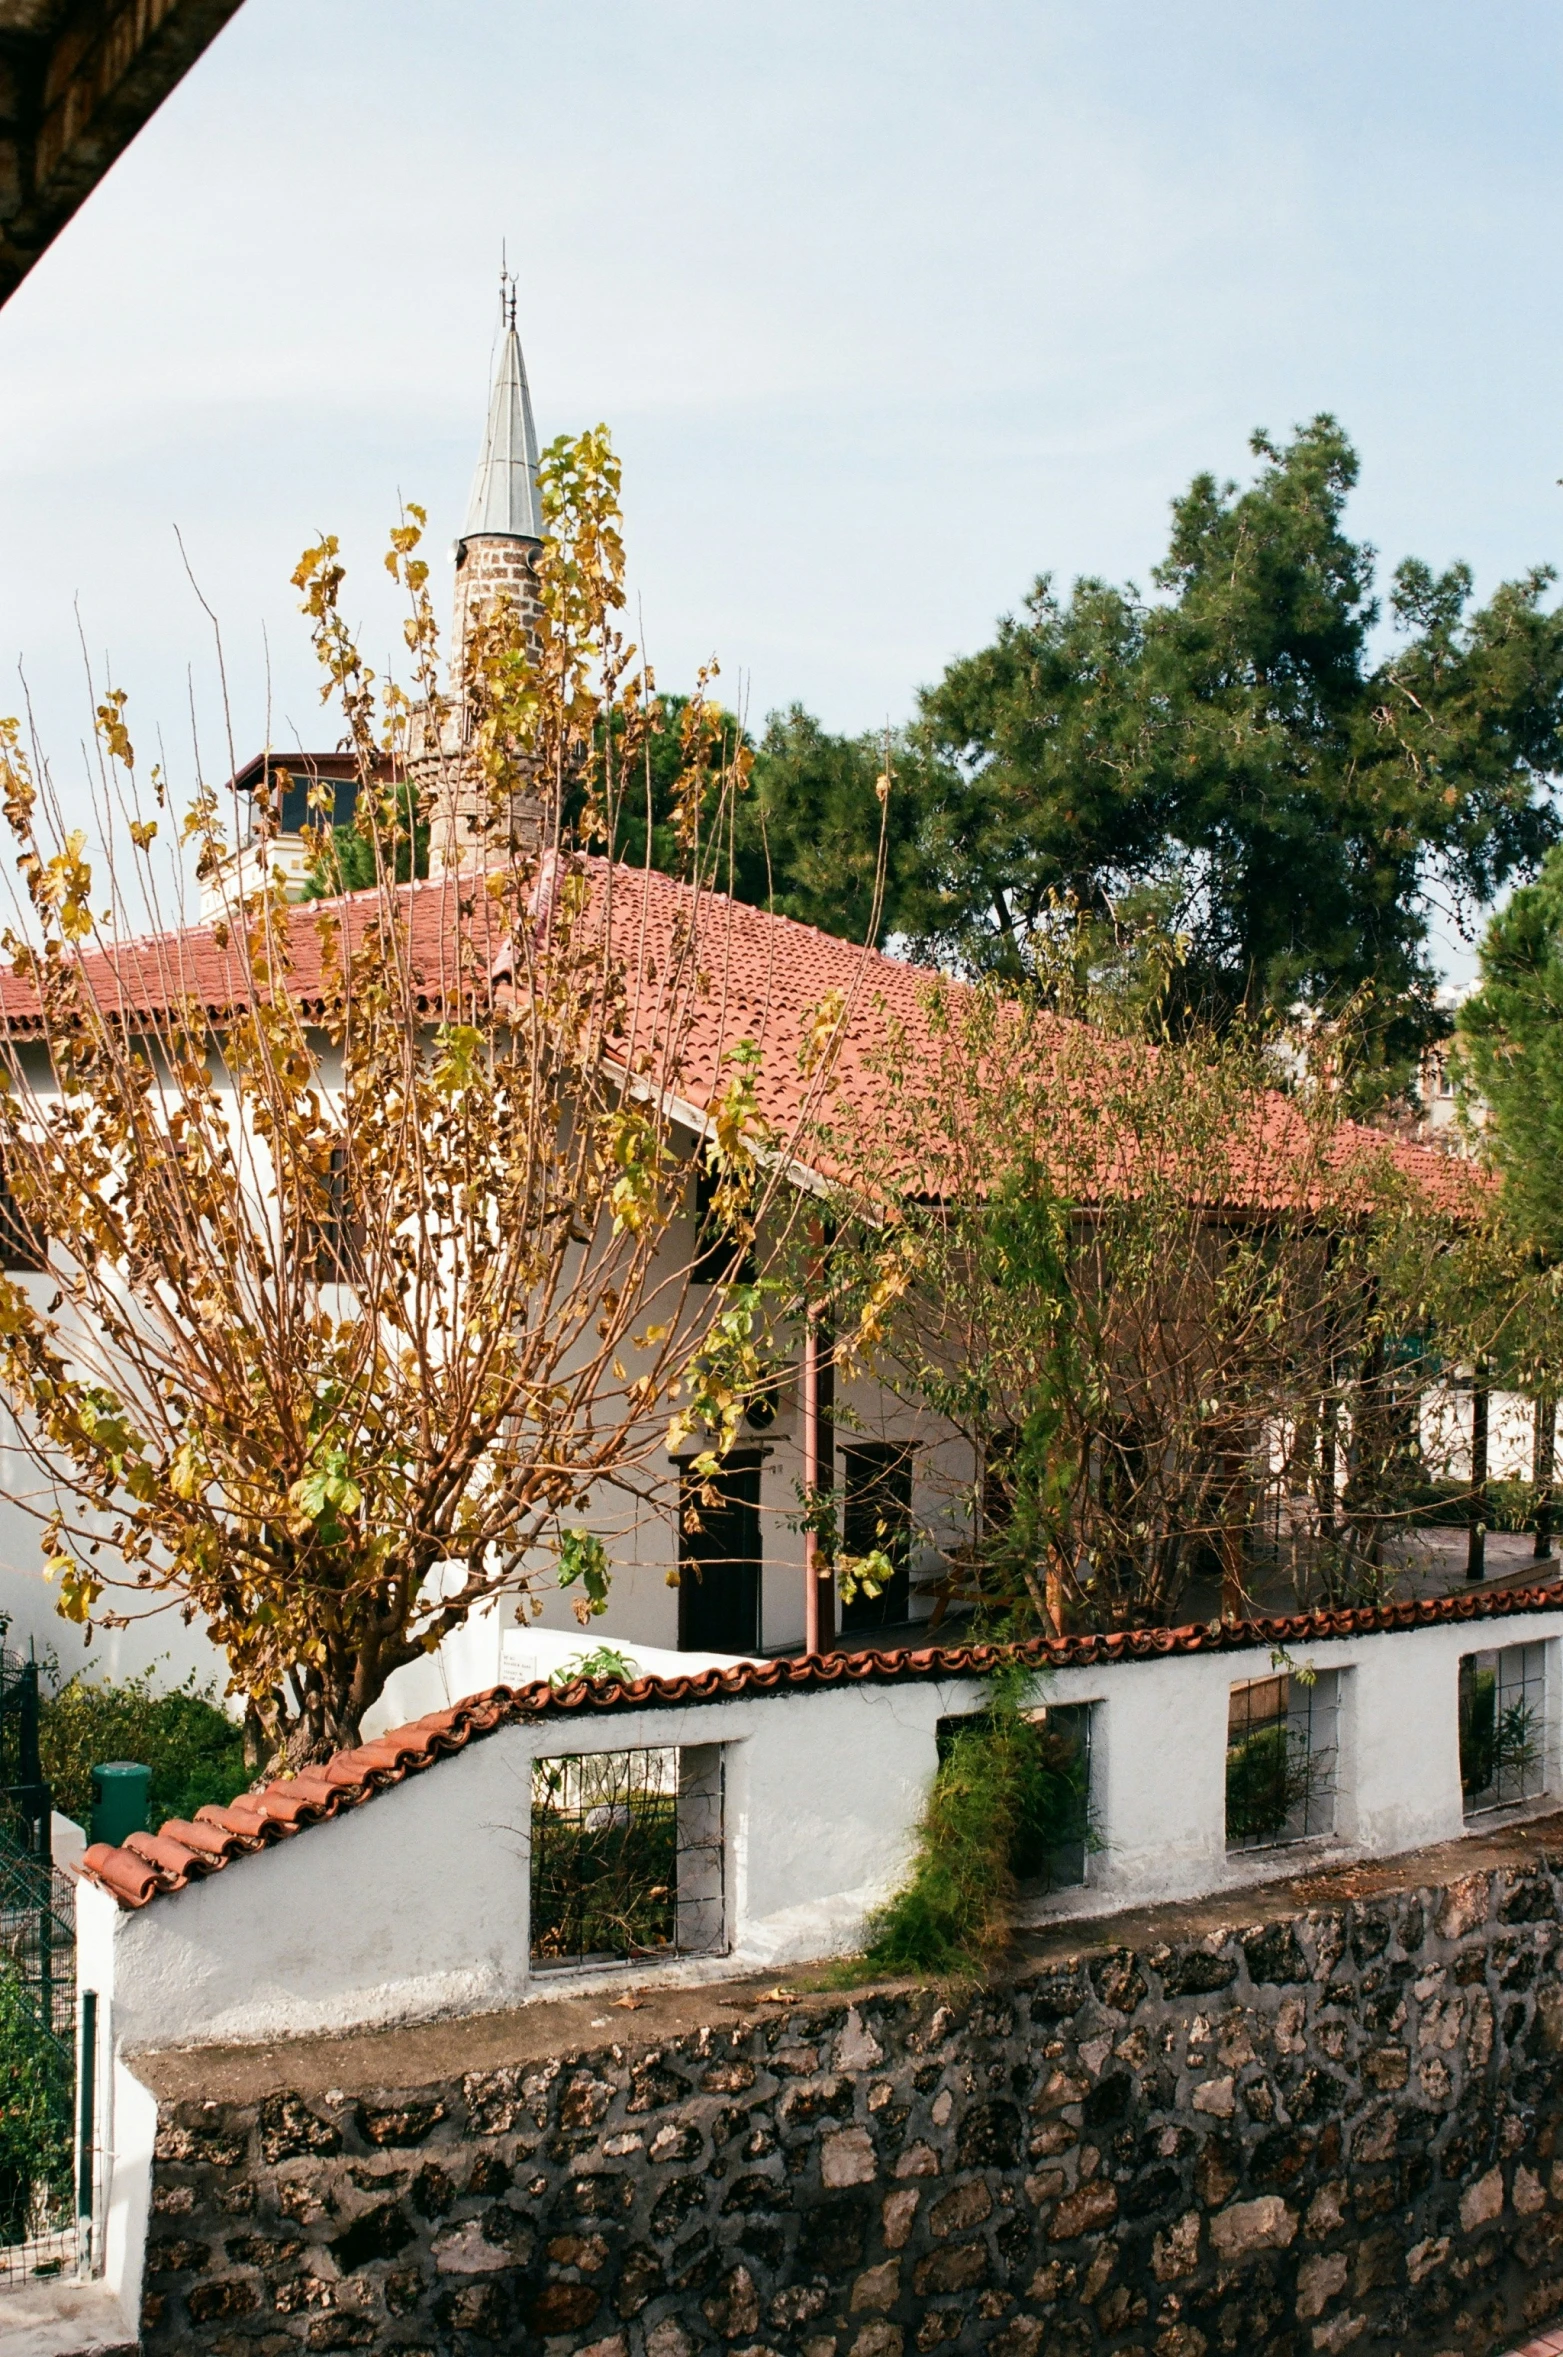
[(496, 561)]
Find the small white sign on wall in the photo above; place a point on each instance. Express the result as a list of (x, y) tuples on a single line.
[(518, 1662)]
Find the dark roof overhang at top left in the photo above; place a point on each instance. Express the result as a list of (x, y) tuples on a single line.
[(78, 78)]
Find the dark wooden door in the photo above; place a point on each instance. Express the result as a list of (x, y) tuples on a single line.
[(877, 1512), (719, 1563)]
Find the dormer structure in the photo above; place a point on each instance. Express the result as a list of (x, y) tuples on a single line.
[(287, 781)]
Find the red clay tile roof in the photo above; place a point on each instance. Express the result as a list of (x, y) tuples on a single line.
[(151, 1865), (764, 973), (765, 976)]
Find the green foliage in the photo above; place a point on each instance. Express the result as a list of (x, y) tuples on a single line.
[(1498, 1749), (1228, 760), (1453, 1505), (1318, 794), (1511, 1050), (1268, 1776), (194, 1750), (35, 2116), (809, 831), (347, 859), (603, 1661), (1114, 1280), (1002, 1802), (583, 1557), (1037, 787)]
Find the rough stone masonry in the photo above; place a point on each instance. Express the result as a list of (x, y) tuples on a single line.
[(1331, 2125)]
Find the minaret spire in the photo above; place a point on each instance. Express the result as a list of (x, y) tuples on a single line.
[(505, 503), (496, 567)]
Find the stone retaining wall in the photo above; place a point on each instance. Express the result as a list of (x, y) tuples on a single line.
[(1329, 2130)]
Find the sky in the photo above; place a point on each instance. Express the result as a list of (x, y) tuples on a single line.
[(889, 309)]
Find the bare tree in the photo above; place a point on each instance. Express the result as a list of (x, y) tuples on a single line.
[(360, 1282), (1152, 1288)]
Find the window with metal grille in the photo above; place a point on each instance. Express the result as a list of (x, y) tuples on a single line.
[(1503, 1716), (1283, 1749), (628, 1857), (1053, 1833), (1064, 1834)]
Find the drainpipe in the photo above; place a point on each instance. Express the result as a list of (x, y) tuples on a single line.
[(810, 1480)]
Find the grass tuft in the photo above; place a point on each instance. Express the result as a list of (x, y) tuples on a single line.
[(1000, 1805)]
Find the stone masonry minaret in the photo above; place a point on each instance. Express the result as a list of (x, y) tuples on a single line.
[(496, 561)]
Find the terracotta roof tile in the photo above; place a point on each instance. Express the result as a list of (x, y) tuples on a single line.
[(207, 1841), (765, 974), (150, 1866)]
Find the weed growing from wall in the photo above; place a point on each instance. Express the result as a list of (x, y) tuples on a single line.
[(1000, 1807)]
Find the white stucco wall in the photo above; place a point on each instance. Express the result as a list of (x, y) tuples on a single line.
[(1159, 1756), (126, 2114), (1447, 1415), (417, 1903)]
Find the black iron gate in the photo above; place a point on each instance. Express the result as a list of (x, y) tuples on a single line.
[(39, 2124)]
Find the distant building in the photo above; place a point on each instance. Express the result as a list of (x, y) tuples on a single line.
[(1443, 1118)]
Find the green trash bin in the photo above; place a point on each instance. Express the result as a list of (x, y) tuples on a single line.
[(119, 1800)]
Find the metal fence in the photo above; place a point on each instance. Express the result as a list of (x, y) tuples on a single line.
[(628, 1857), (1283, 1746), (39, 2124), (25, 1802), (48, 2139)]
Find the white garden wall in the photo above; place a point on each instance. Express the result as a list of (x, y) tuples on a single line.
[(416, 1903)]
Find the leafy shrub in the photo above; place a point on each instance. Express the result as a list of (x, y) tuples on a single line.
[(194, 1750), (1451, 1505), (604, 1661), (1498, 1749), (35, 2117), (1268, 1776), (1005, 1800)]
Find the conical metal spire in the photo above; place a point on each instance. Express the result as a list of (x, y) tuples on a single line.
[(505, 501)]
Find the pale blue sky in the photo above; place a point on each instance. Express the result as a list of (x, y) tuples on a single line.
[(889, 308)]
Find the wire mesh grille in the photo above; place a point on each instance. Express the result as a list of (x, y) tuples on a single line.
[(38, 2234), (1282, 1755), (627, 1856), (38, 2224), (1053, 1832), (1503, 1697)]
